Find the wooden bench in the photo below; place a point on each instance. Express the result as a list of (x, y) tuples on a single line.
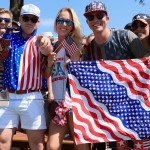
[(20, 141)]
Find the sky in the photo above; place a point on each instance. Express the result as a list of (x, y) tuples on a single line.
[(120, 12)]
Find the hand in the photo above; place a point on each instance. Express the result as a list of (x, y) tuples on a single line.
[(66, 63), (44, 44), (51, 58), (50, 97), (148, 59)]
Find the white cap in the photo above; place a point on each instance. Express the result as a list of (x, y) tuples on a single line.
[(30, 9)]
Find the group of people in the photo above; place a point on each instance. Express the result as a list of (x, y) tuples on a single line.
[(32, 57)]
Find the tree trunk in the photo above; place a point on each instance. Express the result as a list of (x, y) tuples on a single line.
[(15, 7)]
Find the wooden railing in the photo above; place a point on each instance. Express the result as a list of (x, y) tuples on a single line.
[(20, 141)]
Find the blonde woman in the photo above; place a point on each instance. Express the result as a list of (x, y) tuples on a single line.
[(66, 24)]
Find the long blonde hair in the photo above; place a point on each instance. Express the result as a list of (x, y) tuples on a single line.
[(76, 33)]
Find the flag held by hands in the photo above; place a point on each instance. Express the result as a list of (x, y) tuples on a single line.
[(70, 46), (110, 100)]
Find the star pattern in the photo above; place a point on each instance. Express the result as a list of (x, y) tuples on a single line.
[(12, 64), (114, 96)]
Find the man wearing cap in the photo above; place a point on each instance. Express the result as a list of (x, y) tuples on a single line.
[(23, 70), (109, 44)]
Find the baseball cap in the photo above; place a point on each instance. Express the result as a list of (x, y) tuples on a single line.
[(141, 17), (30, 9), (16, 23), (95, 6)]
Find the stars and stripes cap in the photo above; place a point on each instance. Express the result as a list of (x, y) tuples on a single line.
[(141, 17), (95, 6), (30, 9)]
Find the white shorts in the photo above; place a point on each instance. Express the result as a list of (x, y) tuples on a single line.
[(28, 108)]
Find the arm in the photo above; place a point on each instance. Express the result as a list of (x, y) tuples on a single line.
[(50, 91), (44, 45), (50, 61)]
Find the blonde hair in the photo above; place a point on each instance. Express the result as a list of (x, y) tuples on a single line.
[(4, 10), (76, 32)]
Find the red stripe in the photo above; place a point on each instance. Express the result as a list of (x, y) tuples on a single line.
[(94, 115), (127, 80)]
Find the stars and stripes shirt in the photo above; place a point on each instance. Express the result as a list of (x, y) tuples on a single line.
[(23, 68)]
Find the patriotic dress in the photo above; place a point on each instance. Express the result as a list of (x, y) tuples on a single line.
[(23, 68)]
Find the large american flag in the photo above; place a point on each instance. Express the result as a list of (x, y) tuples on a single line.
[(110, 100)]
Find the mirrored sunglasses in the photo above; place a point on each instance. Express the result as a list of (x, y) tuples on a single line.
[(7, 20), (90, 17), (32, 19), (136, 25), (67, 21)]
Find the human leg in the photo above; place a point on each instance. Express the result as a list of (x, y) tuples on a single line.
[(71, 127), (5, 138), (32, 118), (36, 139), (56, 136)]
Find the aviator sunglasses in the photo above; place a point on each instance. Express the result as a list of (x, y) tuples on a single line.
[(62, 20), (7, 20), (136, 25), (90, 17), (32, 19)]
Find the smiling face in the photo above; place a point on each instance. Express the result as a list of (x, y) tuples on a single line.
[(28, 23), (140, 29), (63, 28), (97, 24), (4, 22)]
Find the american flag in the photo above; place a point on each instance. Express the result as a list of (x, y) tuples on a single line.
[(110, 100), (70, 46), (31, 64)]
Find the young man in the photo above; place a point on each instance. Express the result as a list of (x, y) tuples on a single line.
[(109, 44), (23, 71), (5, 21)]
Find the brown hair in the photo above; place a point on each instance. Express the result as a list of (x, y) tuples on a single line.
[(4, 10)]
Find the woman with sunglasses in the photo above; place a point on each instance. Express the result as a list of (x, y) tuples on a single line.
[(67, 26), (141, 27)]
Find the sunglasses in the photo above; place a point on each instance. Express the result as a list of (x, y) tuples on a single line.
[(137, 25), (27, 19), (67, 21), (7, 20), (98, 16)]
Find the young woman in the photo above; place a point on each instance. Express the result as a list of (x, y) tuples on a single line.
[(141, 27), (68, 28)]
